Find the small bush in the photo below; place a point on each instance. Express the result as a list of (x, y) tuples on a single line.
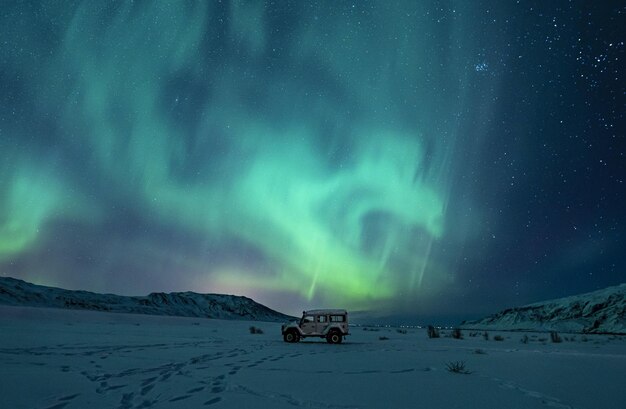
[(457, 334), (555, 338), (432, 332), (498, 338), (255, 330), (479, 352), (457, 367), (584, 339), (383, 338), (524, 339), (486, 336)]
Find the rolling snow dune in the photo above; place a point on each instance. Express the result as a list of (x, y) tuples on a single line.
[(55, 358), (602, 311), (187, 304)]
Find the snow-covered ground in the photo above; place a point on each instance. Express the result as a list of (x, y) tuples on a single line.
[(52, 358)]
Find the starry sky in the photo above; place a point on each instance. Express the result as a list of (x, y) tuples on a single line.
[(414, 159)]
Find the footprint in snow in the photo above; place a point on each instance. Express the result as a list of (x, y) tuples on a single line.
[(58, 405), (183, 397), (146, 404), (546, 400), (212, 401), (114, 387), (126, 401), (403, 370), (217, 389), (148, 381), (69, 397), (146, 389)]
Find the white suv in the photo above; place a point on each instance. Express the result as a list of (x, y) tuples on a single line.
[(329, 324)]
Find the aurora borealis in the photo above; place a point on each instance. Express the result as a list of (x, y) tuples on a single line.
[(378, 156)]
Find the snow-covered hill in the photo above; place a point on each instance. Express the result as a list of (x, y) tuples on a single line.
[(602, 311), (188, 304)]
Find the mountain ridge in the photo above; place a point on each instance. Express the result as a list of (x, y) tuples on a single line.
[(601, 311), (16, 292)]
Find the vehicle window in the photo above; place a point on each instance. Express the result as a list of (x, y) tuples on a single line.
[(337, 318), (308, 318), (321, 318)]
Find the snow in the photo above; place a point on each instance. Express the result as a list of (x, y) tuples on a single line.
[(56, 358), (602, 311)]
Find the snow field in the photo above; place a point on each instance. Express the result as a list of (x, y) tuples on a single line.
[(79, 359)]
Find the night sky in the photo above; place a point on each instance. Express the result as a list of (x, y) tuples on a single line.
[(407, 158)]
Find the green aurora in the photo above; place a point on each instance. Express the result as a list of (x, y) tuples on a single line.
[(304, 154)]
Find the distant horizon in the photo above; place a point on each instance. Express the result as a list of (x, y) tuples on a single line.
[(362, 317), (357, 317)]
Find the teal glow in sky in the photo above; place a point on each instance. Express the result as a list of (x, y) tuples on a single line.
[(305, 154)]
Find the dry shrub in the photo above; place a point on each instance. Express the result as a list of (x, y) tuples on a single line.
[(457, 367)]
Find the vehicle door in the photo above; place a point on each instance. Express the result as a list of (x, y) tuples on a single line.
[(308, 324), (340, 320), (322, 323)]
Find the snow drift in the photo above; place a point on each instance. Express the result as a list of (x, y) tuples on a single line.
[(16, 292), (602, 311)]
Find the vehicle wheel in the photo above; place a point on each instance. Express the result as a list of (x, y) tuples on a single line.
[(334, 337), (291, 336)]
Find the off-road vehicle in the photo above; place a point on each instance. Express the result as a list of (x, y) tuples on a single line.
[(329, 324)]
